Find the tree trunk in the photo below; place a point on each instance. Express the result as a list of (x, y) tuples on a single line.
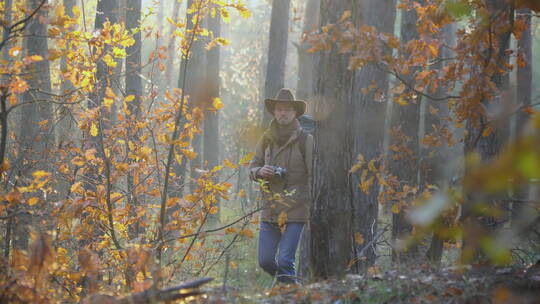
[(304, 90), (331, 211), (191, 79), (37, 134), (105, 10), (8, 17), (524, 98), (66, 132), (304, 86), (434, 169), (369, 123), (134, 86), (488, 147), (171, 46), (211, 119), (277, 52), (405, 121)]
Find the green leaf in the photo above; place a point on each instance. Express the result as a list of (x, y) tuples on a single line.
[(459, 8)]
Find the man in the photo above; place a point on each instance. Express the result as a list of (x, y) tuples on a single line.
[(283, 162)]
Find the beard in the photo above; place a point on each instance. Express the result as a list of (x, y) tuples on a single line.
[(284, 120)]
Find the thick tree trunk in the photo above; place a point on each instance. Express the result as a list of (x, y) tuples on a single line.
[(134, 86), (304, 90), (105, 10), (488, 147), (277, 52), (524, 98), (211, 119), (434, 169), (304, 86), (66, 132), (331, 212), (191, 79), (37, 134), (405, 120), (369, 123), (171, 46)]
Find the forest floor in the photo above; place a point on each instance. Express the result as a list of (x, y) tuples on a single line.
[(422, 284)]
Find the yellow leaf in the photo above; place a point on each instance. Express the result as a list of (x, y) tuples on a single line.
[(127, 42), (371, 166), (118, 52), (40, 173), (129, 98), (227, 163), (247, 158), (230, 230), (109, 61), (76, 11), (395, 208), (247, 232), (110, 93), (213, 210), (358, 238), (78, 161), (282, 219), (233, 265), (94, 129), (108, 102), (90, 154), (216, 103), (76, 187), (365, 185), (54, 54), (401, 101), (225, 15), (14, 51), (222, 41), (345, 16), (32, 201), (433, 51), (487, 131), (189, 153), (244, 12), (122, 167), (35, 58)]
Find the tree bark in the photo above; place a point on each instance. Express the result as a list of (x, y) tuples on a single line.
[(524, 98), (66, 132), (369, 123), (193, 71), (134, 86), (434, 169), (277, 52), (405, 120), (211, 119), (304, 90), (171, 46), (36, 140), (331, 212), (304, 85), (488, 147), (105, 10)]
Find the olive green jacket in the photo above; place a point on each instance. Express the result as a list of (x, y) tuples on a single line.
[(290, 196)]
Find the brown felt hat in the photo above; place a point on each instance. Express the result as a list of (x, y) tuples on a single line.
[(285, 95)]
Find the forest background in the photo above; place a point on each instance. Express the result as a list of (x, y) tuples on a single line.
[(127, 127)]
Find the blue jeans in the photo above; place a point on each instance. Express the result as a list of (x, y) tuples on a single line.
[(270, 240)]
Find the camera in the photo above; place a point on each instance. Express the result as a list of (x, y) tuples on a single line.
[(280, 172)]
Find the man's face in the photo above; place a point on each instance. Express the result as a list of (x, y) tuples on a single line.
[(284, 113)]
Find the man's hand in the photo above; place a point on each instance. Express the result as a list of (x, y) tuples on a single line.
[(266, 171)]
